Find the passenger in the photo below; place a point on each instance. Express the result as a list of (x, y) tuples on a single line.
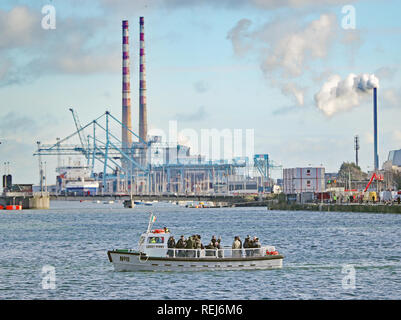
[(153, 240), (171, 244), (240, 246), (181, 244), (258, 246), (166, 230), (236, 246), (218, 247), (190, 246), (247, 244), (210, 248), (252, 247), (213, 240), (198, 245)]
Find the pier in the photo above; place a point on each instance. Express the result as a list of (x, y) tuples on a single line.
[(26, 200)]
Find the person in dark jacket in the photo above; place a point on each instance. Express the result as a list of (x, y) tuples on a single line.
[(210, 249), (218, 247), (247, 244), (190, 245), (181, 244), (213, 240), (171, 244)]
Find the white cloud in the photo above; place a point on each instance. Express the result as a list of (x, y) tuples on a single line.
[(294, 91), (240, 37), (368, 137), (73, 47), (285, 48), (19, 27), (392, 98), (397, 136), (227, 4), (289, 53)]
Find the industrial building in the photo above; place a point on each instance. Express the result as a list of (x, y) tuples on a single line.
[(144, 164), (393, 162), (300, 180)]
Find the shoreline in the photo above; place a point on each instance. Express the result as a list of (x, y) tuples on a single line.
[(366, 208)]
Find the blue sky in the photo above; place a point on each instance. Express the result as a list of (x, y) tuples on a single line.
[(234, 64)]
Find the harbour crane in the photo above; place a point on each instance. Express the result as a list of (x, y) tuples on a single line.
[(79, 131)]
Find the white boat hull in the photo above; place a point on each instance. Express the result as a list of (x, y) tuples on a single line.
[(130, 261)]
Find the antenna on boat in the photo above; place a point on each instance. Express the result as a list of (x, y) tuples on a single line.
[(152, 219)]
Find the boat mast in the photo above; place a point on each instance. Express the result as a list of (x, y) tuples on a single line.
[(151, 221)]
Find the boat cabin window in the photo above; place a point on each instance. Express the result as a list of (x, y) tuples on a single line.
[(156, 240)]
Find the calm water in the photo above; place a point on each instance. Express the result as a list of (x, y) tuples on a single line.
[(74, 237)]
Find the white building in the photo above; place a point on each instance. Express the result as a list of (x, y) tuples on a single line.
[(298, 180), (393, 162)]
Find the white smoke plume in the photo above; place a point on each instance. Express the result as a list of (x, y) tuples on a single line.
[(285, 48), (338, 95)]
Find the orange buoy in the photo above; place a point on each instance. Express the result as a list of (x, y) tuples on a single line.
[(14, 207)]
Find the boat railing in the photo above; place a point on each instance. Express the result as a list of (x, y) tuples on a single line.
[(219, 253)]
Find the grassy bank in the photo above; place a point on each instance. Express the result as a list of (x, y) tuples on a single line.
[(376, 208)]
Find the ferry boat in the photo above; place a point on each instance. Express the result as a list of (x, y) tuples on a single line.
[(153, 254)]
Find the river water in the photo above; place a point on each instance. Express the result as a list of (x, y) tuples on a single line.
[(328, 255)]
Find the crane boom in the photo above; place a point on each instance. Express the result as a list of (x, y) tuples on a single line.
[(79, 129), (374, 176)]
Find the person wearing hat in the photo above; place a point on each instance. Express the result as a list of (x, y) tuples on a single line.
[(181, 244)]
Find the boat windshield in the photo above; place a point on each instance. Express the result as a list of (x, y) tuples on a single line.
[(156, 240)]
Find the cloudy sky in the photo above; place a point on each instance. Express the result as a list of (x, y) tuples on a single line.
[(299, 73)]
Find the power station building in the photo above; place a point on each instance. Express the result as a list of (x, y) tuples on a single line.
[(142, 163)]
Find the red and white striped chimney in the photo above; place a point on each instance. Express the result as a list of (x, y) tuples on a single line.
[(126, 92), (143, 123)]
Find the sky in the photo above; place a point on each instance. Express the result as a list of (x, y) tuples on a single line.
[(299, 73)]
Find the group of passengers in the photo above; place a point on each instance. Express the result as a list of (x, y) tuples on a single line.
[(251, 246), (192, 246)]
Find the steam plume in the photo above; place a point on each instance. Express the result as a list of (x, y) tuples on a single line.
[(338, 95)]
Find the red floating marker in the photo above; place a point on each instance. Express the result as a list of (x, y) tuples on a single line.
[(14, 207)]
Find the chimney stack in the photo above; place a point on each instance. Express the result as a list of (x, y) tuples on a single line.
[(126, 92), (143, 123), (376, 156)]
